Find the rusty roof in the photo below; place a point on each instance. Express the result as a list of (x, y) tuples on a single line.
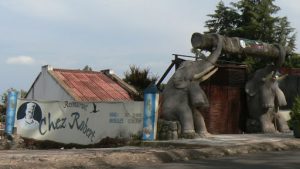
[(89, 85)]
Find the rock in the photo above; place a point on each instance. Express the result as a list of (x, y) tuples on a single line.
[(168, 130)]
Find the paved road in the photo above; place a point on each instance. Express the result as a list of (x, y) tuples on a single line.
[(266, 160)]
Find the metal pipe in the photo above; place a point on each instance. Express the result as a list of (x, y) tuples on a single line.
[(165, 74)]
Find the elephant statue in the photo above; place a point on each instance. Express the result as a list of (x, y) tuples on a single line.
[(264, 97), (184, 99)]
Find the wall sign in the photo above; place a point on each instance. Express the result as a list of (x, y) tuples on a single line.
[(78, 122)]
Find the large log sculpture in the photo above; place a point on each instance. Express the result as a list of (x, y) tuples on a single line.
[(235, 45)]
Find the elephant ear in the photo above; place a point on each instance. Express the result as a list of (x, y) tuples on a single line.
[(259, 78), (251, 88)]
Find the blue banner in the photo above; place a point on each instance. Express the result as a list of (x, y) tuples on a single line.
[(150, 113), (11, 111)]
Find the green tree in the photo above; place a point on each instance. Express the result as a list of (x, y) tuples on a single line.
[(284, 34), (87, 68), (293, 61), (295, 113), (224, 21), (3, 97), (22, 93), (255, 20), (251, 19), (3, 106), (139, 78)]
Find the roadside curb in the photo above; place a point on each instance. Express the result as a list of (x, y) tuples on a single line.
[(191, 152), (149, 152)]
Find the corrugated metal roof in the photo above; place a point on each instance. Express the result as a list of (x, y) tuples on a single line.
[(90, 85)]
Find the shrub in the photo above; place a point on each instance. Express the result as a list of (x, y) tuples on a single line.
[(293, 61), (2, 118), (295, 113)]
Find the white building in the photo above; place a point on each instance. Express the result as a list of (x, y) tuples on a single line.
[(79, 85)]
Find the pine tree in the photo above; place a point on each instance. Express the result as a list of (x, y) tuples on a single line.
[(224, 21), (87, 68), (255, 20), (139, 78), (252, 19), (284, 33)]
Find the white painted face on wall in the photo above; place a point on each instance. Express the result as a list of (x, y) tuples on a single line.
[(29, 112)]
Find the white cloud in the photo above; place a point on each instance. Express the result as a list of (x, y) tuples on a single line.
[(20, 60)]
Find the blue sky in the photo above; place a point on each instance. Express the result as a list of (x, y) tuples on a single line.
[(101, 33)]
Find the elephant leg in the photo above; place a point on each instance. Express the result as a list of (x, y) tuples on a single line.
[(199, 123), (281, 124), (266, 121), (187, 121)]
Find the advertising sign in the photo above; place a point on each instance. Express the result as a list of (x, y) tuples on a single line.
[(78, 122)]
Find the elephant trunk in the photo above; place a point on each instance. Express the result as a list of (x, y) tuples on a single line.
[(282, 55), (211, 59), (210, 42)]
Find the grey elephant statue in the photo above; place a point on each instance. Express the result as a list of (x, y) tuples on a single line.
[(264, 97), (183, 98)]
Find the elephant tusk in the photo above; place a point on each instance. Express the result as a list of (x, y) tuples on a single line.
[(199, 75), (282, 77), (208, 75)]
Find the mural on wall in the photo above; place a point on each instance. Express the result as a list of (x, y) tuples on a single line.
[(29, 115), (78, 122)]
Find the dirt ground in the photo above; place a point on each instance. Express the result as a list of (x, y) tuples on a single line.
[(21, 154), (123, 157)]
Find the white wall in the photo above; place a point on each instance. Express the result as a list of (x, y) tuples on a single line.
[(77, 122), (46, 88)]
